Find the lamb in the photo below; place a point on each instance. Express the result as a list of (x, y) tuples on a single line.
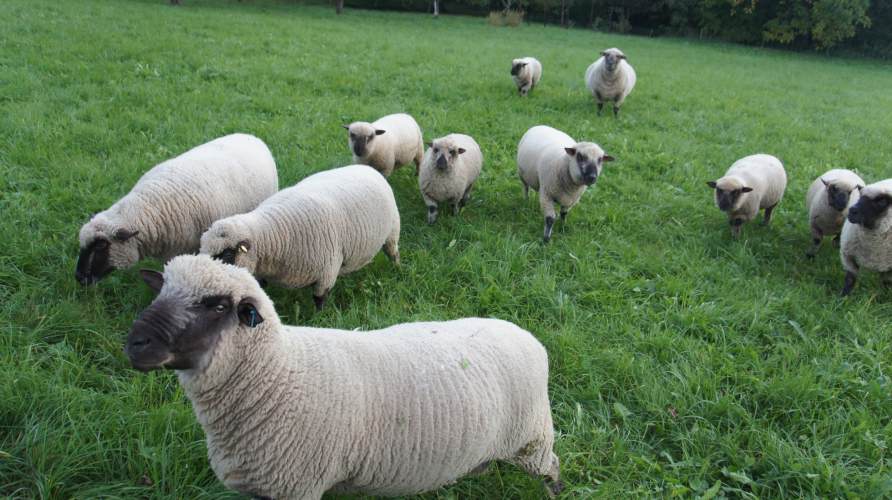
[(828, 201), (165, 213), (526, 73), (330, 224), (866, 238), (610, 78), (448, 171), (558, 168), (751, 184), (294, 412), (387, 143)]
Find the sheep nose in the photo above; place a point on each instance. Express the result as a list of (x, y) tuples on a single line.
[(441, 162), (590, 179)]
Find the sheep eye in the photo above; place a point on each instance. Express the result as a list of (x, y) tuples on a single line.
[(436, 150), (453, 152), (220, 308), (371, 137)]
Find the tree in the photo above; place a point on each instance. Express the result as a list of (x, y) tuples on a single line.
[(339, 6), (436, 8)]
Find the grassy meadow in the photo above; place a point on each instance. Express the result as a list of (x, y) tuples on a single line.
[(683, 363)]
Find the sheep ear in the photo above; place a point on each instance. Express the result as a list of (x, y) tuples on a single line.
[(461, 150), (154, 279), (623, 57), (522, 64), (824, 182), (711, 184), (860, 187), (379, 132), (570, 151), (604, 54), (124, 234), (429, 144), (247, 313), (745, 189), (607, 158), (346, 127)]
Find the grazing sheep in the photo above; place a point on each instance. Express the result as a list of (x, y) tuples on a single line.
[(165, 213), (526, 73), (558, 168), (828, 202), (329, 224), (610, 78), (294, 412), (387, 143), (448, 171), (751, 184), (866, 239)]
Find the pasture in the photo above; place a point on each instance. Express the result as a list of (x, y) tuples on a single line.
[(683, 363)]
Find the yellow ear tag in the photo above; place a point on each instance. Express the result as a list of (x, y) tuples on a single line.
[(243, 249)]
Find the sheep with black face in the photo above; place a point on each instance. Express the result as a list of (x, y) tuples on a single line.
[(165, 213), (295, 412), (526, 73), (449, 169), (557, 167), (828, 200), (387, 143), (751, 184), (866, 238)]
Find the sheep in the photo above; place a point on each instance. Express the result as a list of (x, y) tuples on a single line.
[(165, 213), (294, 412), (329, 224), (866, 238), (387, 143), (448, 171), (828, 200), (610, 78), (751, 184), (526, 73), (558, 168)]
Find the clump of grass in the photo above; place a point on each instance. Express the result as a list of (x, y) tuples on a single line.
[(511, 18)]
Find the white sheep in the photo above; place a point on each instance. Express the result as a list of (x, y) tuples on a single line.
[(448, 171), (827, 201), (866, 239), (387, 143), (294, 412), (165, 213), (526, 72), (610, 78), (557, 167), (750, 184), (327, 225)]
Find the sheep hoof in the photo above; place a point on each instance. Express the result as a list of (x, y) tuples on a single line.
[(431, 215), (319, 301), (553, 488)]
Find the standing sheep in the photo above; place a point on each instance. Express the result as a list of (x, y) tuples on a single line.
[(448, 171), (294, 412), (387, 143), (828, 201), (173, 203), (327, 225), (558, 168), (751, 184), (526, 73), (610, 78), (866, 239)]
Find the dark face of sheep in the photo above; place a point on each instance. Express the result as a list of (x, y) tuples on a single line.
[(612, 59), (229, 255), (837, 198), (515, 68), (94, 262), (589, 167), (359, 141), (867, 211), (444, 156), (726, 199), (175, 335)]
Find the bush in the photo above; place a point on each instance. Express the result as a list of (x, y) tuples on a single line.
[(506, 18)]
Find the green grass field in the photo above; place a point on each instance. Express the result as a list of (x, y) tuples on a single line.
[(683, 363)]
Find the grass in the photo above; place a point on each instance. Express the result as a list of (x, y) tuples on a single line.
[(683, 363)]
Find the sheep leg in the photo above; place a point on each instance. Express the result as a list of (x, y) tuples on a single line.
[(526, 190), (456, 207), (816, 236), (600, 108), (849, 283), (391, 248), (616, 110), (325, 284), (419, 156), (767, 217), (886, 278), (547, 206), (480, 469), (564, 212), (836, 241), (467, 196), (549, 225), (735, 227)]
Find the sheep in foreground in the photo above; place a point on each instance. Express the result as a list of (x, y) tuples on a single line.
[(294, 412), (329, 224), (387, 143), (828, 202), (866, 239), (610, 78), (751, 184), (173, 203), (558, 168), (526, 73), (448, 171)]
